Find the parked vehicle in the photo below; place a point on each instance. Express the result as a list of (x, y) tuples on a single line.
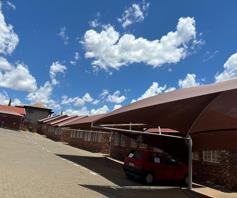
[(154, 166)]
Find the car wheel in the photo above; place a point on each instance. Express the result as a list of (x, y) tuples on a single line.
[(149, 178)]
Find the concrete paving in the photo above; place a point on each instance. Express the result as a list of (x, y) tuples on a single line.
[(214, 192), (32, 166)]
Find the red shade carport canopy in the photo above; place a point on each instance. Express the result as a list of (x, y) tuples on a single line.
[(207, 113), (204, 111)]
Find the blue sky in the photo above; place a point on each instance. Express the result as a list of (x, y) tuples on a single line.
[(89, 57)]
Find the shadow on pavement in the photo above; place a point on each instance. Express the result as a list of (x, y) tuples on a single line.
[(113, 171), (103, 166), (143, 192)]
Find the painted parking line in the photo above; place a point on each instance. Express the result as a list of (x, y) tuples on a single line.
[(75, 164), (144, 187)]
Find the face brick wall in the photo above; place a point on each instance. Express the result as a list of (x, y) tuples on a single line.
[(90, 140), (10, 121), (221, 173)]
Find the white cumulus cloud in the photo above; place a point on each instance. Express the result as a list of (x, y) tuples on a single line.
[(62, 34), (8, 38), (95, 23), (13, 76), (44, 93), (153, 90), (117, 106), (85, 111), (11, 5), (56, 68), (17, 77), (4, 64), (188, 81), (170, 89), (82, 111), (230, 69), (77, 101), (135, 13), (101, 110), (116, 97), (109, 49), (75, 58)]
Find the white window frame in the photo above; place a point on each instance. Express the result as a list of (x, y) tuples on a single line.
[(116, 139), (123, 140), (99, 137), (81, 134), (133, 143), (89, 137), (85, 137), (212, 156)]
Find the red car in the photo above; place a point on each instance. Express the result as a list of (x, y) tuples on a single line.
[(154, 166)]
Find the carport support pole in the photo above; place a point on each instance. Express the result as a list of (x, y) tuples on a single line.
[(190, 161)]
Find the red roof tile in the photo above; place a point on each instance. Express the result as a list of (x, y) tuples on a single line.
[(62, 124), (55, 123), (49, 121), (48, 118), (12, 109)]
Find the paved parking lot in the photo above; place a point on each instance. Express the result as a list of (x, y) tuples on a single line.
[(32, 166)]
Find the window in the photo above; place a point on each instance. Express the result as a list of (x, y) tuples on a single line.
[(116, 139), (72, 134), (123, 140), (133, 143), (99, 137), (93, 137), (211, 156), (89, 137), (85, 136), (78, 133), (195, 156), (81, 134)]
